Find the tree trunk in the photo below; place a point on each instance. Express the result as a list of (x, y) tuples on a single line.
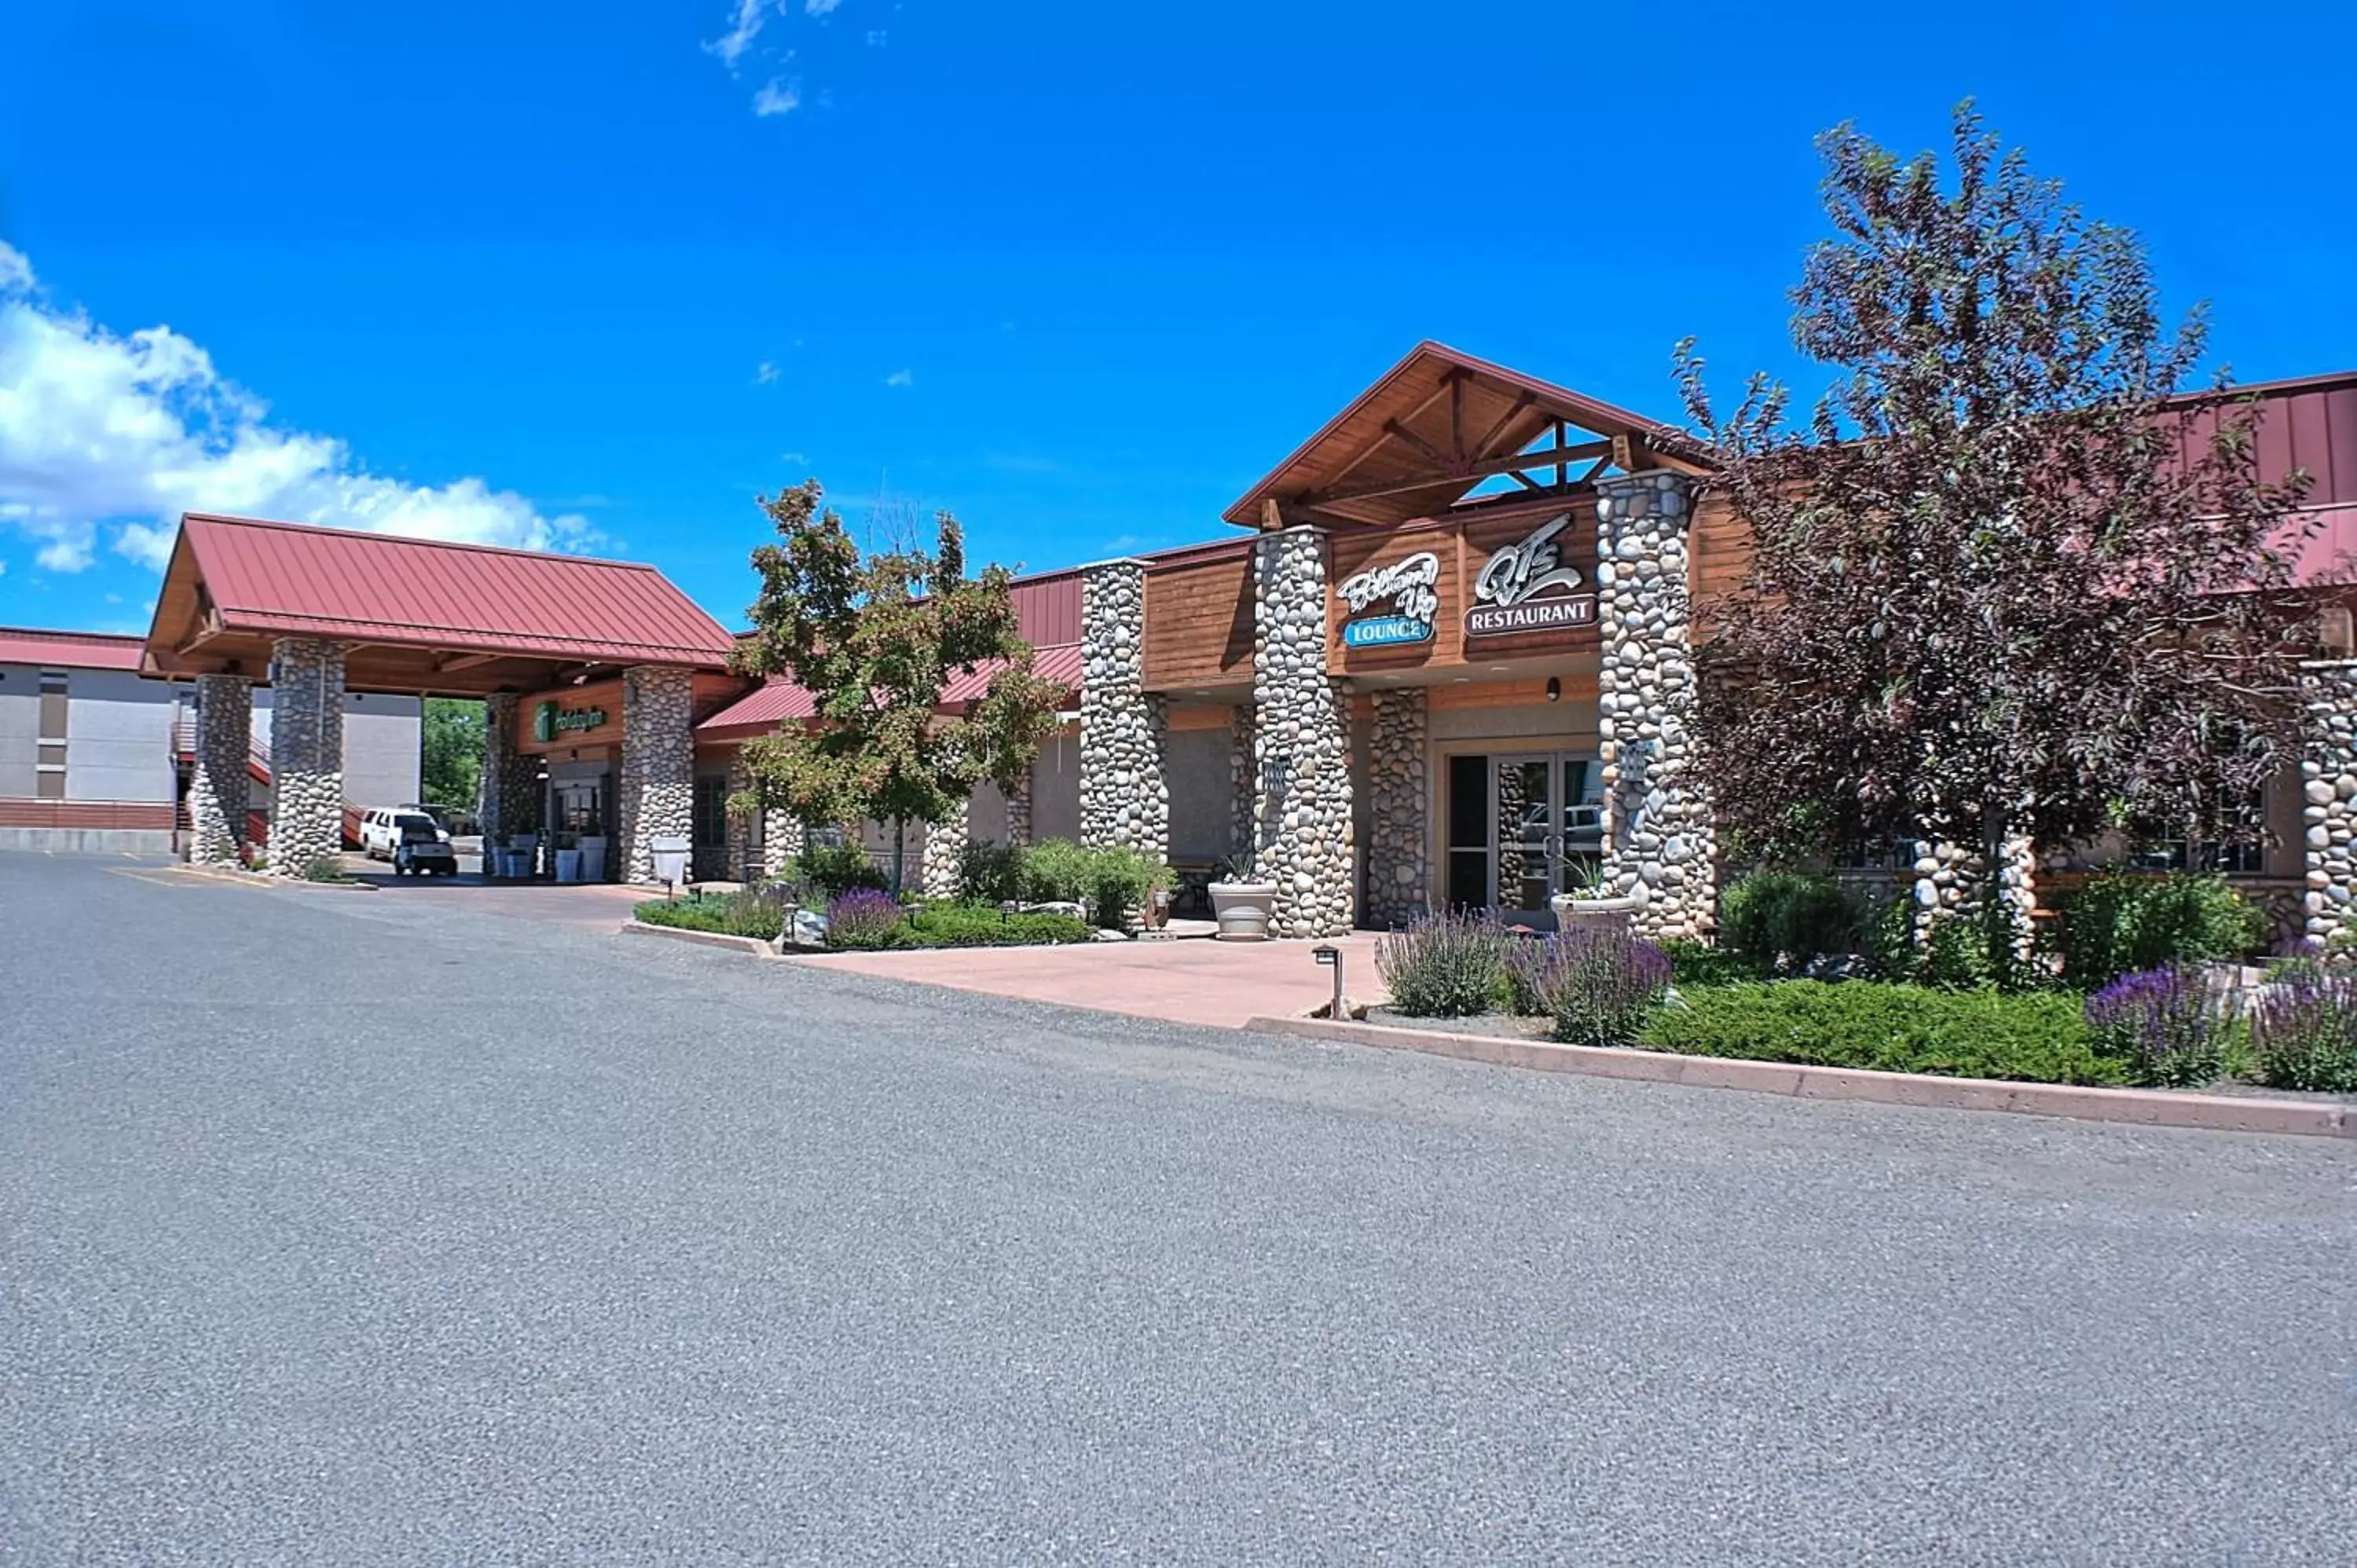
[(899, 854)]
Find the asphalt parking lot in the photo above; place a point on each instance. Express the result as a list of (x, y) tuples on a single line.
[(349, 1228)]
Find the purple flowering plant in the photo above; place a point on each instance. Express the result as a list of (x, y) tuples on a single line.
[(2165, 1023), (2304, 1030), (862, 918)]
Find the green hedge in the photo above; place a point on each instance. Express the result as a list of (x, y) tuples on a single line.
[(1782, 919), (969, 926), (745, 914), (2038, 1038)]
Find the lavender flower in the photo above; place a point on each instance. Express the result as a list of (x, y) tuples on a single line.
[(1450, 965), (862, 918), (2305, 1031), (2164, 1022), (1597, 984)]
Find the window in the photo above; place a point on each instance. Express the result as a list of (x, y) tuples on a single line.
[(711, 825)]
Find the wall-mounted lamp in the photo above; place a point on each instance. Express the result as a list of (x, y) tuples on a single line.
[(1276, 772), (1555, 687)]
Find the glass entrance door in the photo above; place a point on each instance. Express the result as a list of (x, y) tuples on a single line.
[(1548, 825)]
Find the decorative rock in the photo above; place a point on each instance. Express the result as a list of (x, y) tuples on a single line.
[(509, 797), (220, 793), (656, 793), (307, 753), (945, 842), (2329, 768), (1124, 798), (1302, 789), (1654, 792)]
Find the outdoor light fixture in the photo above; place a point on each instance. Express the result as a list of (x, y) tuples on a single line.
[(1329, 956), (1555, 687)]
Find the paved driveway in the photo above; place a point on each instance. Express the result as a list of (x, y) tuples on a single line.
[(352, 1227)]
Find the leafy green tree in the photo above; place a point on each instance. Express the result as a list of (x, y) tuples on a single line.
[(875, 636), (2009, 581), (450, 747)]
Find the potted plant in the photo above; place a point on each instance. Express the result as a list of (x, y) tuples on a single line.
[(569, 857), (1242, 903), (593, 858), (1583, 902), (522, 858)]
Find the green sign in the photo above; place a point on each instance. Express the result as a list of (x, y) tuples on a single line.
[(550, 720)]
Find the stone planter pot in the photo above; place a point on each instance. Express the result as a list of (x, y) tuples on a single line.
[(593, 859), (568, 865), (1243, 910), (1574, 912)]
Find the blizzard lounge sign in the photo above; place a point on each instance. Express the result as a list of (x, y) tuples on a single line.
[(550, 720), (1527, 588), (1412, 587)]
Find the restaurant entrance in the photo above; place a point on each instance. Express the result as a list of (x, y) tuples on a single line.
[(1523, 827)]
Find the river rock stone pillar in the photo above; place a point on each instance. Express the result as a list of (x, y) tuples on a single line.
[(511, 789), (1125, 793), (2328, 777), (1399, 878), (945, 843), (1659, 840), (1302, 805), (782, 840), (220, 788), (656, 793), (307, 753), (1243, 786), (1950, 882)]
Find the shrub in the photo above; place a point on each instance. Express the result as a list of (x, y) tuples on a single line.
[(1698, 963), (2304, 1031), (863, 918), (2039, 1038), (324, 868), (985, 926), (1597, 983), (2165, 1024), (1780, 918), (1110, 881), (2118, 925), (990, 873), (748, 912), (1450, 965), (837, 869)]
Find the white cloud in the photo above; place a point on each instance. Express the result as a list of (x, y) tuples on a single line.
[(776, 97), (875, 37), (764, 373), (744, 27), (793, 457), (900, 379), (819, 7), (123, 433)]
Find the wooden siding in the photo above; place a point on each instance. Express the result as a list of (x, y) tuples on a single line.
[(1199, 619), (1578, 689), (1464, 546), (1185, 716)]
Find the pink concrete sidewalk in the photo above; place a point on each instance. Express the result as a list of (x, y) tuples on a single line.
[(1189, 980)]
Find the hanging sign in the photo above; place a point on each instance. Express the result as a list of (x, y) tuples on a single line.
[(1527, 587), (1411, 588)]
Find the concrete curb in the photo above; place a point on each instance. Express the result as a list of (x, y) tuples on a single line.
[(263, 879), (2142, 1107), (753, 945)]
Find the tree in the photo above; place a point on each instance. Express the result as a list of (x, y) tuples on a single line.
[(450, 751), (874, 638), (2009, 582)]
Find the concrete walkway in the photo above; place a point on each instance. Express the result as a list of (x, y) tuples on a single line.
[(1188, 979)]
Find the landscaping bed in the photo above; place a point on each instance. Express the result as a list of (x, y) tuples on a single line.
[(861, 920), (2075, 1018)]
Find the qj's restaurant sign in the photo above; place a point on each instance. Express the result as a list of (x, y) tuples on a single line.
[(552, 720), (1528, 588), (1411, 588)]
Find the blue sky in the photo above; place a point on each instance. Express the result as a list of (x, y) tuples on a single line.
[(1080, 271)]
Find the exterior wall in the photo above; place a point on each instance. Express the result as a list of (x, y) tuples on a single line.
[(1199, 617), (656, 790), (382, 759), (1056, 789), (2329, 787), (1202, 825), (118, 737), (1398, 796), (20, 725), (221, 783)]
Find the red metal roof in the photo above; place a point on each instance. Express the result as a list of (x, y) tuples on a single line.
[(775, 703), (293, 579), (68, 649)]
